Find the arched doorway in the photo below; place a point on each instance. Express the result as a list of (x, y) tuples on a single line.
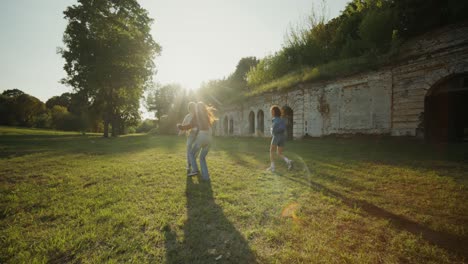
[(225, 125), (231, 126), (446, 110), (260, 122), (288, 116), (251, 122)]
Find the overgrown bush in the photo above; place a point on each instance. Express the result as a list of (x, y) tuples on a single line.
[(376, 29), (269, 69), (364, 28), (145, 126), (43, 120)]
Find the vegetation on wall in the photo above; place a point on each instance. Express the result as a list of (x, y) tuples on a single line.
[(365, 35)]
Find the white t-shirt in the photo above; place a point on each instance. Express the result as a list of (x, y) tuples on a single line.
[(186, 121)]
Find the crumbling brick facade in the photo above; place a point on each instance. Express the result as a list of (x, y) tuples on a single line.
[(386, 101)]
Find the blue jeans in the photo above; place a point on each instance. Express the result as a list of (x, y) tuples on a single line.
[(202, 146), (190, 140)]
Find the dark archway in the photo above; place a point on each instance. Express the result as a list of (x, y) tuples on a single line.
[(225, 125), (231, 126), (446, 110), (288, 114), (260, 122), (251, 122)]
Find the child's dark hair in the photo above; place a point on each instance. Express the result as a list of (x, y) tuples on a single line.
[(276, 111)]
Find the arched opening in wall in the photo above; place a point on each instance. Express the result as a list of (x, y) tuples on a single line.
[(251, 122), (260, 122), (231, 126), (288, 114), (446, 110), (225, 125)]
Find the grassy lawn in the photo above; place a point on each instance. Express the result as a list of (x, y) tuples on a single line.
[(66, 197)]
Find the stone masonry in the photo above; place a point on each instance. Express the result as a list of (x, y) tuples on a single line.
[(387, 101)]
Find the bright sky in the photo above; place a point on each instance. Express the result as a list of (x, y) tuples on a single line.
[(201, 40)]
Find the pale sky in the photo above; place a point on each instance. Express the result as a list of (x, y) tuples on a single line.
[(201, 40)]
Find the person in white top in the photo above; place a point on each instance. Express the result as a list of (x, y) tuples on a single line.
[(191, 134), (204, 121)]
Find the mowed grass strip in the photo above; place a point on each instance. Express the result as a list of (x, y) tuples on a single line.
[(66, 197)]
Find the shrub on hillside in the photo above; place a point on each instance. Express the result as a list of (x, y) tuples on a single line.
[(376, 29), (145, 126)]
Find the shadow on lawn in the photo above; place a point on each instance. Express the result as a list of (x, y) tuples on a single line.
[(21, 145), (452, 243), (411, 153), (209, 236), (402, 153)]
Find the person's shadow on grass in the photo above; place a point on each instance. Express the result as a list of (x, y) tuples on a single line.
[(209, 237)]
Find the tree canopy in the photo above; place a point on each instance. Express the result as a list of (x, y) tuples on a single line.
[(62, 100), (109, 58), (230, 89), (169, 104)]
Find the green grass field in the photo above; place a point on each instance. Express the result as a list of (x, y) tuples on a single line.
[(71, 198)]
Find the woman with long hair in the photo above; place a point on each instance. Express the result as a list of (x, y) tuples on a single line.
[(278, 139), (204, 121)]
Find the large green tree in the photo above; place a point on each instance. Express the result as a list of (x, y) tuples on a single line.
[(61, 100), (20, 109), (238, 78), (12, 93), (161, 99), (231, 89), (169, 103), (109, 57)]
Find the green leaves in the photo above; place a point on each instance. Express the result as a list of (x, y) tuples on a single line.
[(365, 27), (109, 56)]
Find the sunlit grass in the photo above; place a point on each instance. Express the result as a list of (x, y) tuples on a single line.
[(4, 130), (72, 198)]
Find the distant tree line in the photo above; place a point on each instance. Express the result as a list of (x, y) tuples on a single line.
[(72, 111), (62, 112)]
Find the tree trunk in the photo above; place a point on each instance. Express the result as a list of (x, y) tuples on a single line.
[(158, 122), (115, 126), (106, 127), (121, 127)]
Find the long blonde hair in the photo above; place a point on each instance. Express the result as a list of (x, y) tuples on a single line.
[(205, 115)]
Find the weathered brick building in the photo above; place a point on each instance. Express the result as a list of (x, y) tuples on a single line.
[(426, 87)]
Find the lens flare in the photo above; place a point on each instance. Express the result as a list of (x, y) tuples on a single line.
[(290, 210)]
